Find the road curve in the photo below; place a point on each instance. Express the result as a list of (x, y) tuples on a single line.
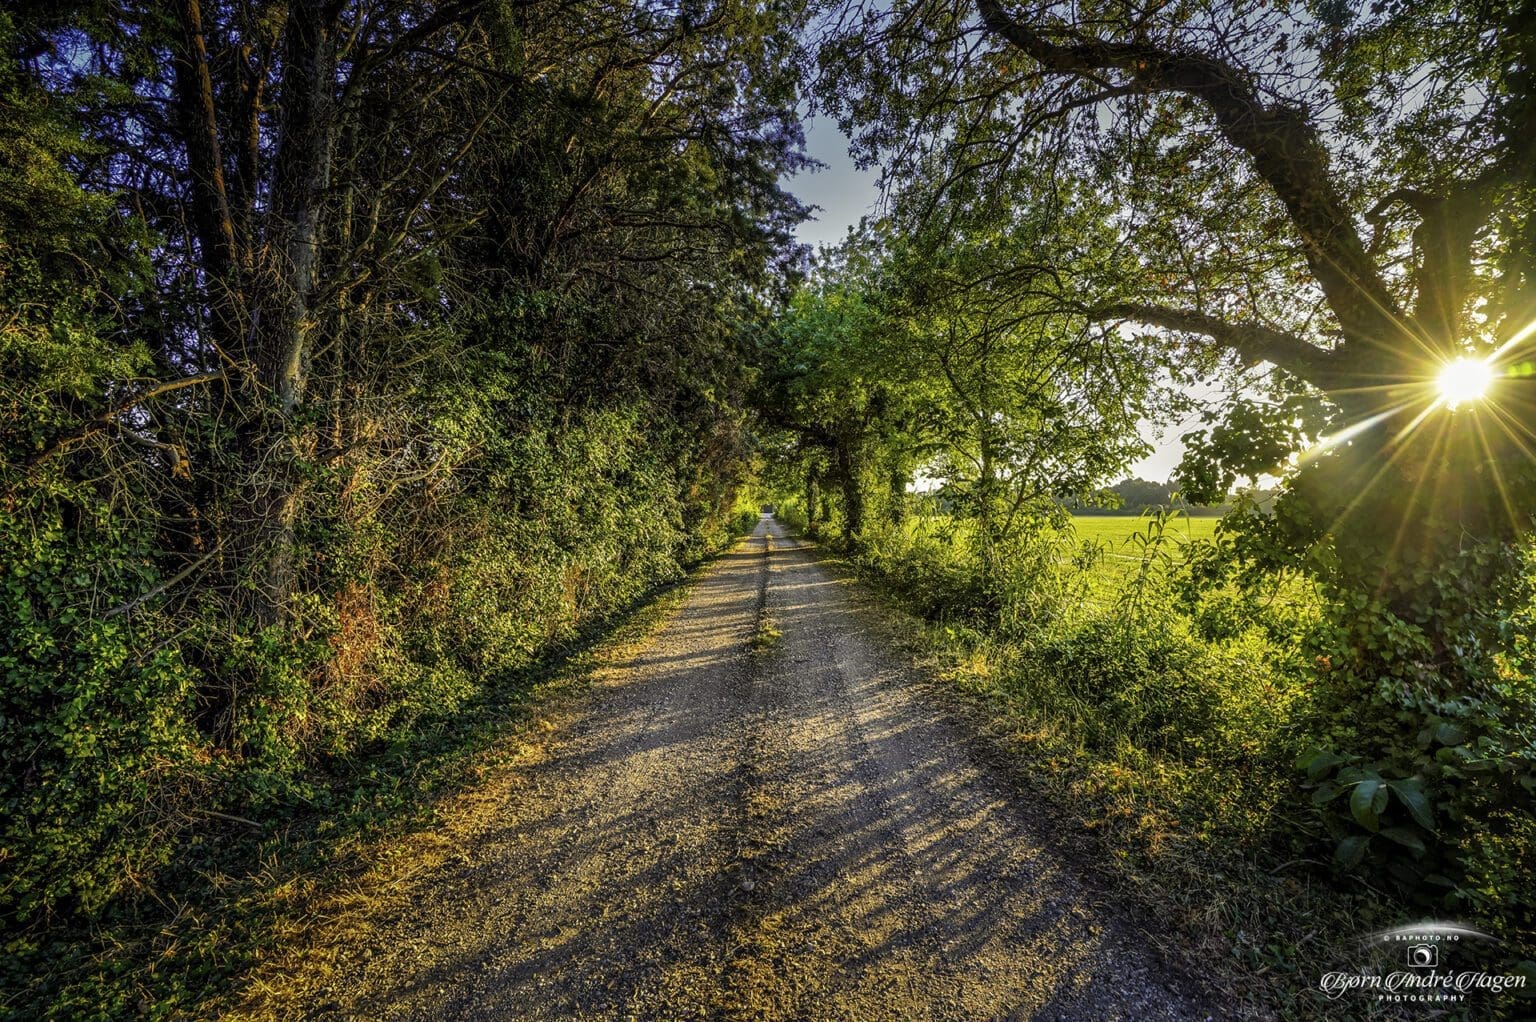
[(781, 829)]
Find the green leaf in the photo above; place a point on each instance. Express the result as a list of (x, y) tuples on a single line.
[(1453, 753), (1526, 968), (1351, 850), (1362, 803), (1411, 794), (1318, 763), (1450, 734), (1405, 837)]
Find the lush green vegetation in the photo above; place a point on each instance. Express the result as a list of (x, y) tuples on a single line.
[(1093, 209), (358, 358), (355, 359), (1164, 714)]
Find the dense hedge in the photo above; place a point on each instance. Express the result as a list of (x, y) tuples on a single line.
[(114, 740), (261, 514)]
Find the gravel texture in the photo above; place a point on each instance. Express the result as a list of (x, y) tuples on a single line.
[(765, 816)]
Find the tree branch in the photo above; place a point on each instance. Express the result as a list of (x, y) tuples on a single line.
[(1282, 143), (106, 418), (201, 130), (174, 580), (1253, 342)]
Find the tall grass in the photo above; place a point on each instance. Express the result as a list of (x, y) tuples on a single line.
[(1098, 643)]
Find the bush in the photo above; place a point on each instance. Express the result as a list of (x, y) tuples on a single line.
[(933, 569), (120, 730), (95, 711), (1168, 684)]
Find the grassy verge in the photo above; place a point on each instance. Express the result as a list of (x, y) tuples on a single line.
[(1180, 805), (223, 929)]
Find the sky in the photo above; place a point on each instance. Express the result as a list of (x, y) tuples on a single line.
[(843, 192), (846, 193)]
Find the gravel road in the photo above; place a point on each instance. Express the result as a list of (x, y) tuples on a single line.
[(763, 817)]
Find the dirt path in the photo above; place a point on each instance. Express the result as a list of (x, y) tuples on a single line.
[(783, 832)]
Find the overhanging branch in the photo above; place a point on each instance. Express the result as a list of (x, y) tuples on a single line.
[(1282, 143), (1252, 342), (108, 417)]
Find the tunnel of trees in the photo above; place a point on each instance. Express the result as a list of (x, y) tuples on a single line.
[(359, 354)]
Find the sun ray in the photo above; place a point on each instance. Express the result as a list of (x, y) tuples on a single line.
[(1328, 443), (1398, 449), (1498, 476), (1418, 420), (1404, 326), (1502, 420), (1438, 442), (1520, 336)]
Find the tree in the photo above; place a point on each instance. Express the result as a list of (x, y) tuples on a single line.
[(355, 355), (906, 355), (827, 383), (1209, 130), (1027, 407), (1345, 198)]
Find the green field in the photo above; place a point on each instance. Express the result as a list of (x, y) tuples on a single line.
[(1120, 554), (1115, 536), (1116, 531)]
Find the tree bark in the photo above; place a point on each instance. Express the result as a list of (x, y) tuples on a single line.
[(853, 494), (287, 316), (301, 175), (214, 227)]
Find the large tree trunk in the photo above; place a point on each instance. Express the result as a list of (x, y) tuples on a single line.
[(287, 315)]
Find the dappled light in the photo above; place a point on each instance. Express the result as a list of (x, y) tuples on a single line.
[(788, 835)]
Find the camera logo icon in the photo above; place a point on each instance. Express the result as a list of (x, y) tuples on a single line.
[(1423, 956)]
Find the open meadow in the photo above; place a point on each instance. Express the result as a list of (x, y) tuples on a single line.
[(1116, 532)]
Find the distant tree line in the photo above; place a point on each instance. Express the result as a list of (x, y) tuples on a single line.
[(1132, 496)]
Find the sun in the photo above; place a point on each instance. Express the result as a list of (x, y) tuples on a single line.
[(1464, 380)]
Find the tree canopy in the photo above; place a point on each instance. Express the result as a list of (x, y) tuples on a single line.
[(354, 354)]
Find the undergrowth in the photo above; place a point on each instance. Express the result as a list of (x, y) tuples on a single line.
[(1165, 721), (238, 889)]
